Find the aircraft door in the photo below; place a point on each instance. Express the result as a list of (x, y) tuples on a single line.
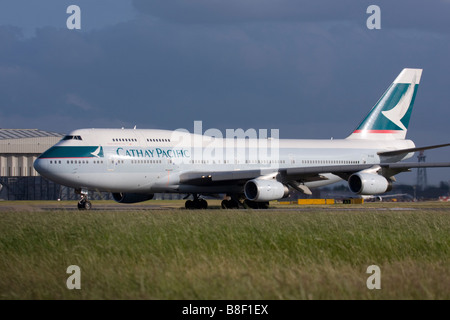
[(110, 162)]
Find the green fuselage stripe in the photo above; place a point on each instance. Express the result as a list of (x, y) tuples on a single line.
[(71, 152)]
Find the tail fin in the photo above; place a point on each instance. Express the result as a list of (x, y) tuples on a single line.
[(389, 118)]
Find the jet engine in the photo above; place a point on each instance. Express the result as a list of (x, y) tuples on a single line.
[(368, 183), (131, 197), (261, 190)]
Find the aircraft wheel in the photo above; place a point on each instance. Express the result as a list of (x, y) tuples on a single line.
[(202, 204), (87, 205), (248, 204), (196, 204), (84, 205), (224, 204), (230, 204), (263, 205), (189, 204)]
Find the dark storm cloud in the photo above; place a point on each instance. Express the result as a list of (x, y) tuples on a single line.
[(309, 68), (430, 15), (419, 14), (240, 71), (31, 14), (231, 11), (155, 67), (36, 73), (416, 14)]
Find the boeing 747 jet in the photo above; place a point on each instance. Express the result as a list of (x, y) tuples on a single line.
[(134, 164)]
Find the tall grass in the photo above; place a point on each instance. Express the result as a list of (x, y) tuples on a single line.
[(212, 254)]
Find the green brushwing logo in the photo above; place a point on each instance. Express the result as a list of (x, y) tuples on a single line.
[(393, 111)]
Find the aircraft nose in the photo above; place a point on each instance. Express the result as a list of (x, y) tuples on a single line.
[(40, 166)]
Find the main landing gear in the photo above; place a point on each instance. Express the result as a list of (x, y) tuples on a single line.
[(84, 203), (233, 202), (197, 203), (255, 205)]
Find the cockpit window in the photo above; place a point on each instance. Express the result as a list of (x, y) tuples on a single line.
[(72, 138)]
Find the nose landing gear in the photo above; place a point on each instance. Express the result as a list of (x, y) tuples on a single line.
[(84, 203)]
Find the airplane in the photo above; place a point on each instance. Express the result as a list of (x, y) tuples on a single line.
[(381, 197), (134, 164)]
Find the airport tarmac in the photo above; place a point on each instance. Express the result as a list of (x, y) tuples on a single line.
[(100, 205), (96, 206)]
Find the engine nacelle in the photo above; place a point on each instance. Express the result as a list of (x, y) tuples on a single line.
[(131, 197), (368, 183), (261, 190)]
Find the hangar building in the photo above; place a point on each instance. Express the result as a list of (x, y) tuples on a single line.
[(20, 147), (18, 150)]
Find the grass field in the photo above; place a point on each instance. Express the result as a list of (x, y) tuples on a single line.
[(227, 254)]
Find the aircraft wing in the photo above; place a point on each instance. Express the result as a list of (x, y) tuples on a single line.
[(405, 151), (310, 173), (304, 174), (201, 178), (345, 171), (301, 174), (391, 169)]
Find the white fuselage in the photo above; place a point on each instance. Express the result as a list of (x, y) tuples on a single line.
[(149, 161)]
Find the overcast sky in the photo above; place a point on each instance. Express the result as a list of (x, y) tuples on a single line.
[(311, 69)]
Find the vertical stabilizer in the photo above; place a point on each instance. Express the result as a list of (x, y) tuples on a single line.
[(389, 118)]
